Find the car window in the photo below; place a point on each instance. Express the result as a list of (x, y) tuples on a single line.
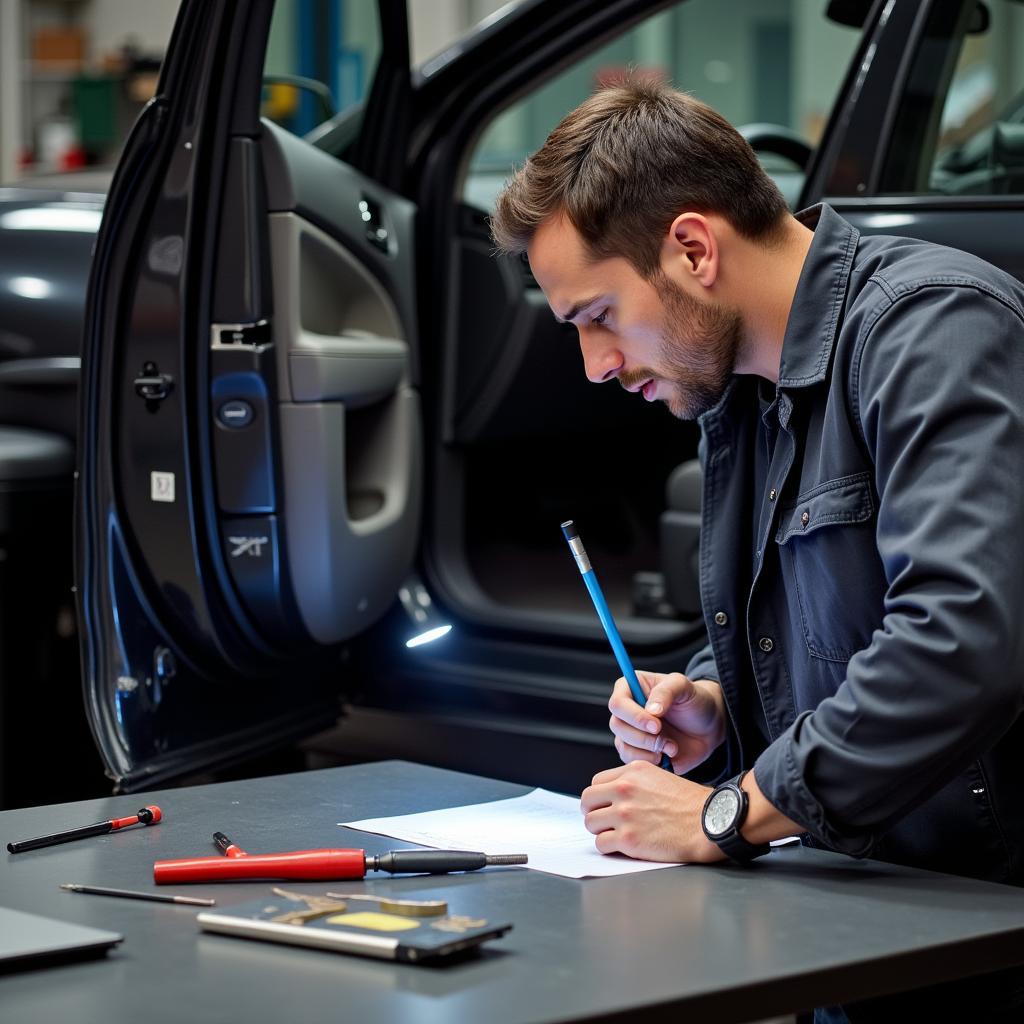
[(960, 126), (321, 57), (434, 26), (772, 67)]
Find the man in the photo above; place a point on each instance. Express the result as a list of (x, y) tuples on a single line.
[(861, 401)]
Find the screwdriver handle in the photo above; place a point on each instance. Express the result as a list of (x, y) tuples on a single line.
[(300, 865), (438, 862), (427, 862)]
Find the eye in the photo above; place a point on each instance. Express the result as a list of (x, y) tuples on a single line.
[(601, 319)]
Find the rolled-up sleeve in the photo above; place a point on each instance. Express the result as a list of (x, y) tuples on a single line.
[(938, 388)]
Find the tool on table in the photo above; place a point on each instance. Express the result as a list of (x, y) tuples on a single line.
[(605, 615), (335, 902), (132, 894), (325, 865), (392, 905), (312, 907), (146, 815), (228, 848)]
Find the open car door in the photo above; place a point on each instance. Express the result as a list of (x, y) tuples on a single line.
[(249, 481)]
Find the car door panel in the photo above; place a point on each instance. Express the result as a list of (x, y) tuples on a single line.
[(251, 427), (350, 417)]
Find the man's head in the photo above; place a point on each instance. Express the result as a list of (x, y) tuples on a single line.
[(624, 213)]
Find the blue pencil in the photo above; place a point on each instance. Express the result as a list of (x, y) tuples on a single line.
[(605, 615)]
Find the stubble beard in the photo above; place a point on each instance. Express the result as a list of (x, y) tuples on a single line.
[(700, 345)]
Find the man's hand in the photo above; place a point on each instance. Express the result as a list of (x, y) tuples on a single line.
[(649, 814), (683, 717)]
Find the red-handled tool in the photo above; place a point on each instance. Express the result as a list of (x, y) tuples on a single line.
[(308, 865), (228, 848), (146, 815), (323, 865)]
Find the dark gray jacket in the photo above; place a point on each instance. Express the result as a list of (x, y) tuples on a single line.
[(877, 612)]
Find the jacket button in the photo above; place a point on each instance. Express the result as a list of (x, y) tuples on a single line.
[(766, 645), (805, 518), (771, 494), (721, 618)]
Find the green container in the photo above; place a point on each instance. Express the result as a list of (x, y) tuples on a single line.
[(95, 104)]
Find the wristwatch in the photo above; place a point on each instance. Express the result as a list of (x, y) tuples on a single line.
[(722, 818)]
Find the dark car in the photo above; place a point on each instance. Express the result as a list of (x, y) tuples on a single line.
[(319, 416)]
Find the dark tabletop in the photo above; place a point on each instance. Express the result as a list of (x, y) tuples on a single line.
[(799, 928)]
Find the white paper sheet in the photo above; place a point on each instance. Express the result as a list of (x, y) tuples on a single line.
[(547, 826)]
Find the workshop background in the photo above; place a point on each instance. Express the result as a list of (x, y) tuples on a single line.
[(74, 75)]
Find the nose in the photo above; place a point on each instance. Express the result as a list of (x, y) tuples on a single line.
[(602, 361)]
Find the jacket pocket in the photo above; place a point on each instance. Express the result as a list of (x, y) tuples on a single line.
[(830, 564)]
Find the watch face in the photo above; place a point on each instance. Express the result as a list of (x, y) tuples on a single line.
[(721, 811)]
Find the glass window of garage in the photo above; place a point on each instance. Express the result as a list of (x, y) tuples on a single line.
[(960, 126), (772, 67), (321, 58)]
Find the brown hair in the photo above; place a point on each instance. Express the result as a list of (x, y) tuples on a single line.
[(625, 163)]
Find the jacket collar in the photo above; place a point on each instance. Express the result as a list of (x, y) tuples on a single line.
[(813, 320), (819, 299)]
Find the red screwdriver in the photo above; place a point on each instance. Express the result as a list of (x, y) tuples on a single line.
[(324, 865), (146, 815)]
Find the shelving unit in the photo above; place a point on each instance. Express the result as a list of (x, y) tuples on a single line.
[(78, 83)]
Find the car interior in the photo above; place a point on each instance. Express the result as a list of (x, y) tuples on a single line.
[(420, 387), (423, 417)]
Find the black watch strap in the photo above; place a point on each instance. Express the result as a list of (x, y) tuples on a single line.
[(730, 842), (737, 849)]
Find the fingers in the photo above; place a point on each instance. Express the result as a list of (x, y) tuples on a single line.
[(669, 691), (602, 820), (623, 706), (691, 753), (603, 823), (600, 779), (662, 692), (638, 730), (633, 745)]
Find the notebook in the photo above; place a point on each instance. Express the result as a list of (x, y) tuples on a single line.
[(28, 939)]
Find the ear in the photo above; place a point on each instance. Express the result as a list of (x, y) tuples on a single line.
[(691, 248)]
